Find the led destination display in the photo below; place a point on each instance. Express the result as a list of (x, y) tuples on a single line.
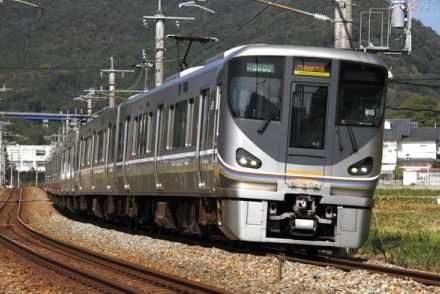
[(260, 67)]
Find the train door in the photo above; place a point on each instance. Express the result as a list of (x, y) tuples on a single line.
[(305, 162), (158, 143), (202, 136)]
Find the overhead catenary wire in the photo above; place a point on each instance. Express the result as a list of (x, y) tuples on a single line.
[(227, 36)]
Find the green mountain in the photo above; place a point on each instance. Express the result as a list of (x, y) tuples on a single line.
[(50, 56)]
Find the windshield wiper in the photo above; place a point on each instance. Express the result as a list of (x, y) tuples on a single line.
[(265, 124)]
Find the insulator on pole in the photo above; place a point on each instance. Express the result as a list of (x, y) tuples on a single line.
[(322, 17)]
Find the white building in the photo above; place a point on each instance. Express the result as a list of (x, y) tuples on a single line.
[(413, 149), (28, 157)]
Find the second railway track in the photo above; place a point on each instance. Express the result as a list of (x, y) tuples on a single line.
[(430, 279), (100, 272)]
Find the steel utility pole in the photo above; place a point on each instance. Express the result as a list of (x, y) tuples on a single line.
[(160, 18), (343, 24), (112, 81)]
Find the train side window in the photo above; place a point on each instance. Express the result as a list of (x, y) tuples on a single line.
[(159, 129), (112, 138), (95, 147), (89, 150), (83, 152), (143, 134), (122, 138), (149, 128), (72, 156), (120, 141), (135, 133), (66, 160), (179, 125), (204, 108), (169, 128), (190, 123), (126, 130), (101, 143), (78, 152), (104, 144)]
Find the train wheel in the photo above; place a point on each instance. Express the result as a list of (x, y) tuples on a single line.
[(312, 251)]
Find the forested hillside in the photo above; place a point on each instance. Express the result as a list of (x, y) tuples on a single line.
[(50, 56)]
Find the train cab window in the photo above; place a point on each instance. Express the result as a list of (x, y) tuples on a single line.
[(255, 87), (308, 116), (362, 93)]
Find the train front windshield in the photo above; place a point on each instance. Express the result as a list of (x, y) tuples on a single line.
[(255, 87), (361, 95)]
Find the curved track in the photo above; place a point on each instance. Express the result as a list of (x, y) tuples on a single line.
[(100, 272)]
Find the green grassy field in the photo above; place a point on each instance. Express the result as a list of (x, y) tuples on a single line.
[(405, 230)]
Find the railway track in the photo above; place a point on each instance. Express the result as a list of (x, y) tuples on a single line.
[(426, 278), (345, 264), (97, 271)]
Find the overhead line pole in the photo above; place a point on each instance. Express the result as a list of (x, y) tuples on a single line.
[(112, 81), (160, 18), (343, 24)]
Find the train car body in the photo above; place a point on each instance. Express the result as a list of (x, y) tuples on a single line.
[(273, 144)]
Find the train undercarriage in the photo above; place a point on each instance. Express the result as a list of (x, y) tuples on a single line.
[(299, 217)]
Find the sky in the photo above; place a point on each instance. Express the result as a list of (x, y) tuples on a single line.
[(428, 12)]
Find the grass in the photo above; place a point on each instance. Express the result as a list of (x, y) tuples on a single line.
[(407, 192), (405, 231)]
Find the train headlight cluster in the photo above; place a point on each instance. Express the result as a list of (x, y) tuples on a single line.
[(246, 159), (362, 167)]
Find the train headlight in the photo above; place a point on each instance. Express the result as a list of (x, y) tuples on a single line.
[(362, 167), (246, 159)]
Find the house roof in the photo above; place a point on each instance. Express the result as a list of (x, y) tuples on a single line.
[(400, 128), (423, 134)]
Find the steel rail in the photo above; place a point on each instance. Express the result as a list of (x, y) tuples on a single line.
[(157, 278), (7, 199), (62, 268), (426, 278)]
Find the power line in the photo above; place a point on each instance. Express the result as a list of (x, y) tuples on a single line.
[(48, 69)]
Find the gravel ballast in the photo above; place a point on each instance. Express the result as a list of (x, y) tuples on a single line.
[(238, 273)]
